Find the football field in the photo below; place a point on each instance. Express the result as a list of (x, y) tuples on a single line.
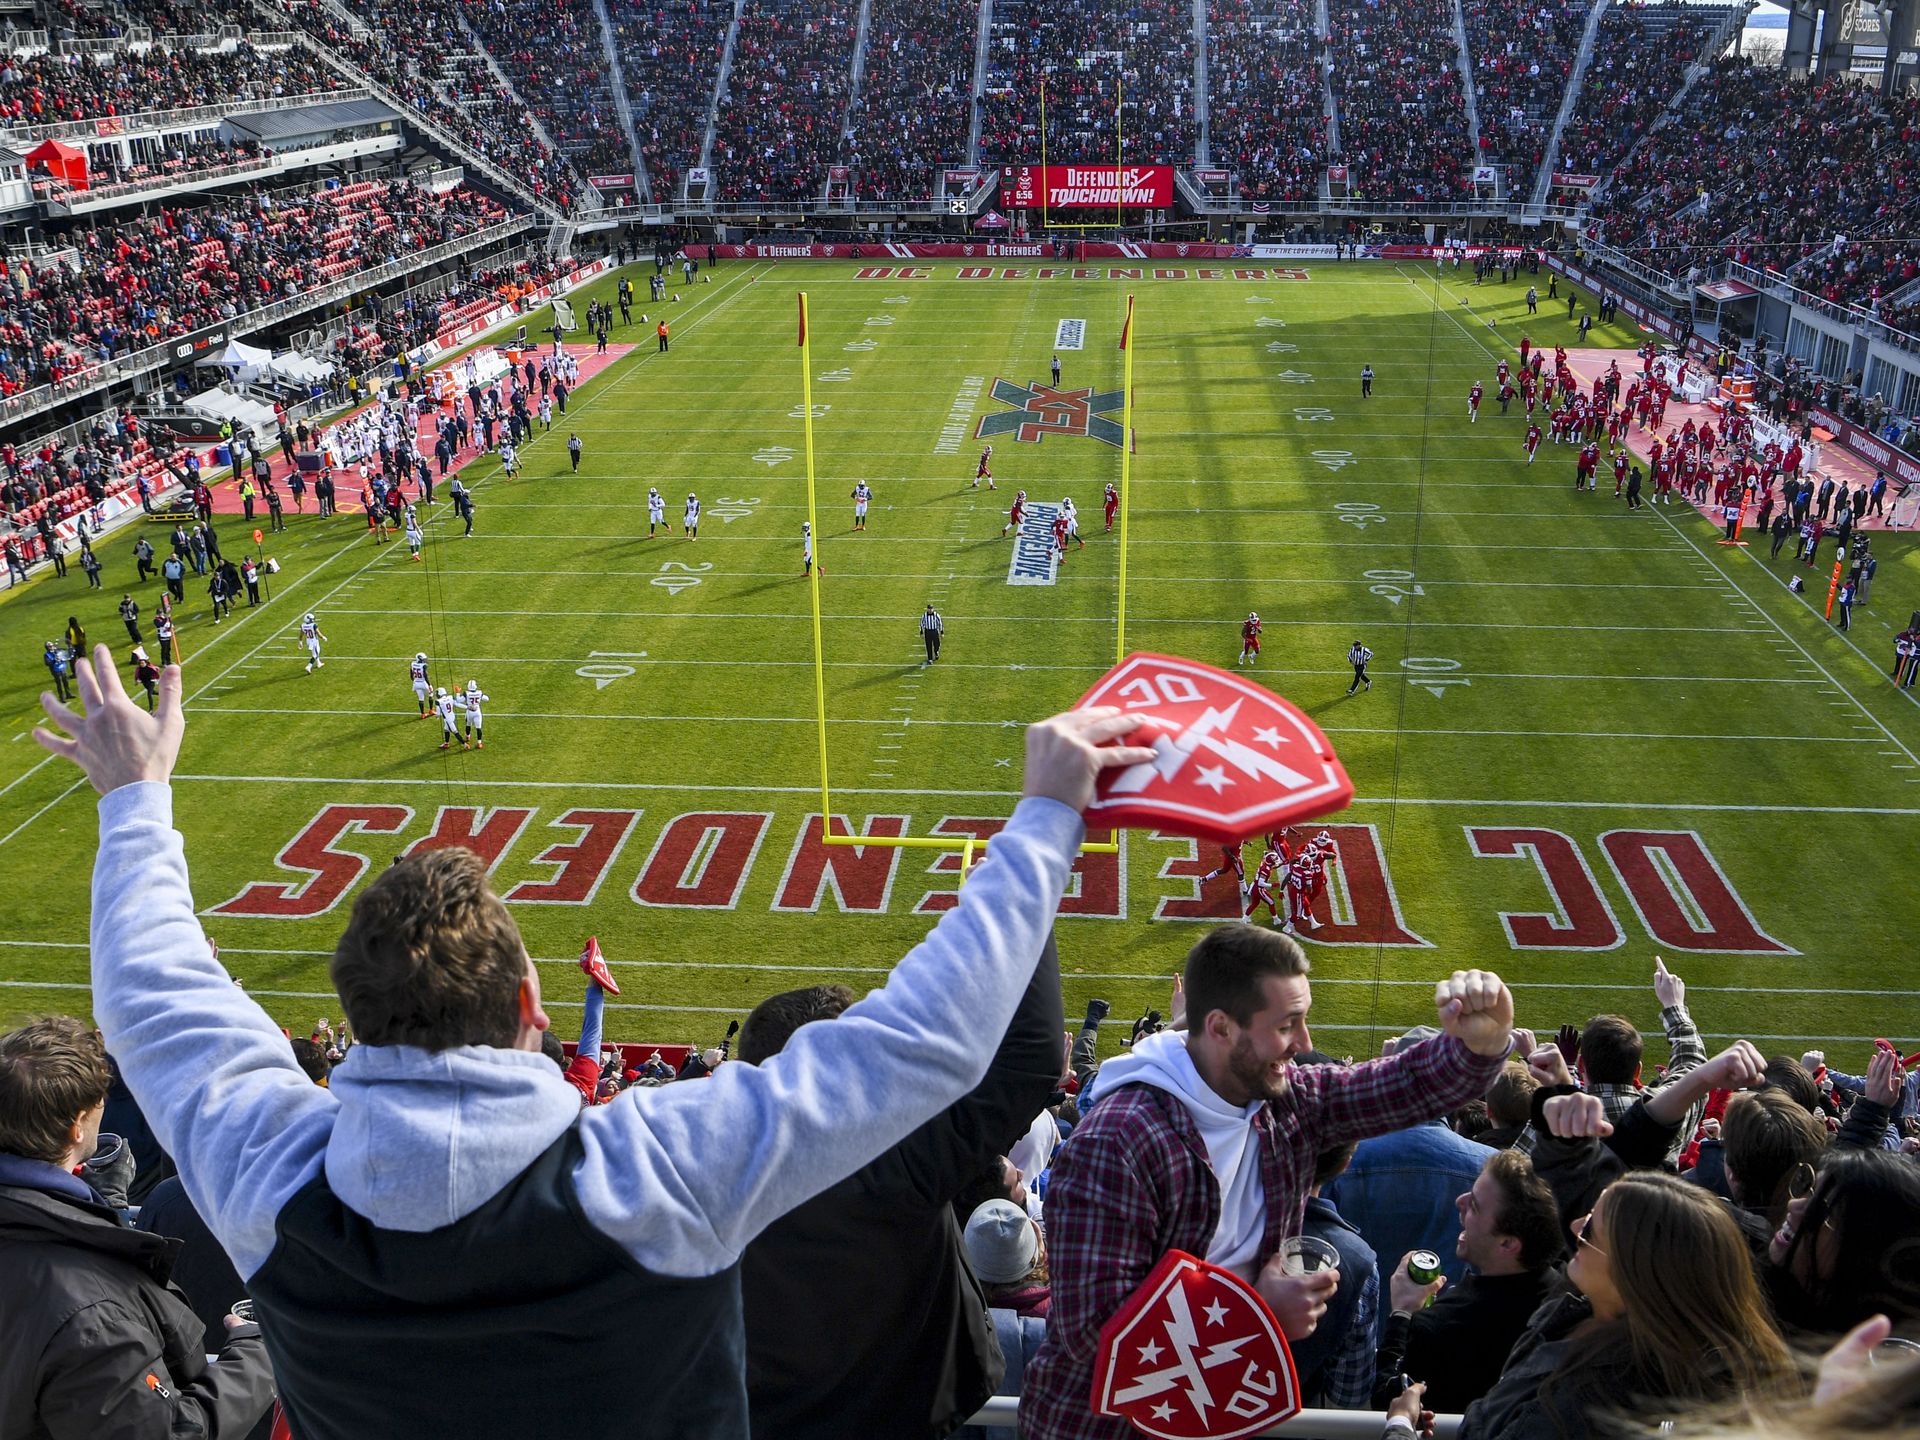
[(1592, 736)]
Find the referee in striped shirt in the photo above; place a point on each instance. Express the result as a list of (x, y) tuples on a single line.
[(932, 630), (1358, 657)]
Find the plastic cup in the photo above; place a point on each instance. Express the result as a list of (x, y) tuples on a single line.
[(241, 1310), (1305, 1255)]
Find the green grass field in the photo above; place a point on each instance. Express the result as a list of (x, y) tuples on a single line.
[(1603, 719)]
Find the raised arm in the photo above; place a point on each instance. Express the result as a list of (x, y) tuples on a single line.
[(685, 1177), (213, 1074)]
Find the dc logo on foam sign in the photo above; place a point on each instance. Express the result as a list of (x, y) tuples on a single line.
[(1045, 411), (1193, 1353), (1230, 759)]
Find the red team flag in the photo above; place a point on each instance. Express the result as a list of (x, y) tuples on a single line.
[(1126, 326), (1231, 759), (802, 298), (1194, 1352)]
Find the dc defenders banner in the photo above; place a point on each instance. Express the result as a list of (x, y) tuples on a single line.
[(1069, 187)]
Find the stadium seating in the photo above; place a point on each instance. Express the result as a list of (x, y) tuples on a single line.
[(135, 282), (417, 44), (779, 126), (1522, 56), (553, 55), (1266, 116), (1069, 46), (670, 53), (43, 89), (1797, 164), (1396, 88), (915, 104), (1640, 59)]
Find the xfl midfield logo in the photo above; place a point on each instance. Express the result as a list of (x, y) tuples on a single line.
[(1046, 411)]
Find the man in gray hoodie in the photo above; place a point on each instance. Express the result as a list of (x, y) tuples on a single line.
[(433, 1242)]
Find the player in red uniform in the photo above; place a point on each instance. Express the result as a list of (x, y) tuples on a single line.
[(1060, 532), (1249, 639), (1500, 372), (1260, 891), (1619, 471), (1016, 514), (1473, 404), (1533, 439), (1113, 505), (1229, 860), (985, 471), (1584, 468), (1316, 886)]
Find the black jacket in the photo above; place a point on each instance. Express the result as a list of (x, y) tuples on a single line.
[(94, 1340), (863, 1315), (1459, 1344)]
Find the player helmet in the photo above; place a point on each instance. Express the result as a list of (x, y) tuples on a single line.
[(440, 692), (419, 654), (307, 619), (472, 685), (1324, 840), (1253, 614)]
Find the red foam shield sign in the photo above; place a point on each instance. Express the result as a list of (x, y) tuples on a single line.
[(1230, 758), (1194, 1354)]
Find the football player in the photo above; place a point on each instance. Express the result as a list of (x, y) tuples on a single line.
[(1260, 891), (1113, 505), (414, 537), (422, 688), (310, 638), (1249, 638), (1229, 861), (449, 709), (985, 471), (1016, 514), (474, 738), (656, 513), (806, 549), (690, 522), (861, 495), (1072, 517)]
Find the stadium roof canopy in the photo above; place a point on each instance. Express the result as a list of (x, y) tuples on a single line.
[(276, 126)]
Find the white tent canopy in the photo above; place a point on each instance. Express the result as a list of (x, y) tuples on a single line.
[(237, 408), (243, 357), (251, 362)]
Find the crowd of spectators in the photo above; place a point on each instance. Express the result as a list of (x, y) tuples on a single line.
[(1640, 59), (1396, 89), (1626, 1240), (407, 53), (1865, 274), (48, 89), (552, 52), (1771, 170), (779, 124), (1523, 52), (915, 106), (670, 53), (1083, 52), (1266, 113), (129, 283)]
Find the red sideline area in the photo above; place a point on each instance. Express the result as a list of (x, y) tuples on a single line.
[(632, 1054), (226, 493), (1842, 464)]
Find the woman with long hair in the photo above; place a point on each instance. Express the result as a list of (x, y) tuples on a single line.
[(1666, 1314), (1850, 1245)]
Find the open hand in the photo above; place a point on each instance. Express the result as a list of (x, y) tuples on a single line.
[(1569, 1042), (116, 741), (1884, 1080), (1846, 1367)]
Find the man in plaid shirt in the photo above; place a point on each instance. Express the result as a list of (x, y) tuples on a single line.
[(1608, 1052), (1206, 1141)]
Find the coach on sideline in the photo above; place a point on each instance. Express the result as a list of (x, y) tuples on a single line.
[(431, 1242)]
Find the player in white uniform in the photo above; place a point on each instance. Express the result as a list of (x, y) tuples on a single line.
[(509, 460), (691, 520), (806, 549), (546, 412), (422, 687), (311, 637), (414, 537), (861, 495), (1072, 517), (449, 709), (656, 513), (474, 700)]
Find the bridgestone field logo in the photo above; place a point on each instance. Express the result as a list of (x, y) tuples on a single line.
[(1044, 411), (1036, 559)]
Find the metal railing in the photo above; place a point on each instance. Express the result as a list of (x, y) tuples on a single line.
[(1781, 288), (1672, 286), (20, 137), (157, 357), (62, 199), (1001, 1412)]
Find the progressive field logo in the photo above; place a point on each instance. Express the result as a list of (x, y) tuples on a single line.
[(1036, 559), (1042, 411)]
